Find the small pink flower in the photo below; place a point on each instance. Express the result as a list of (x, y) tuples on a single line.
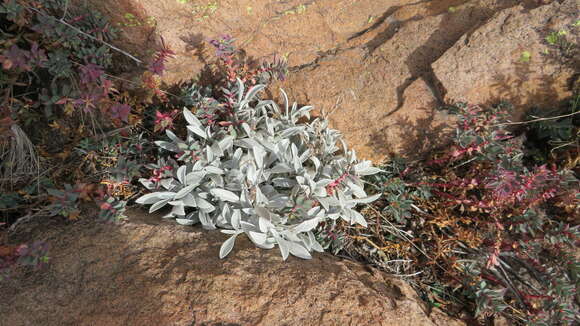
[(164, 120)]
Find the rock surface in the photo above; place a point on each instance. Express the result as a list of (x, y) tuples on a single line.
[(359, 59), (492, 64), (149, 272)]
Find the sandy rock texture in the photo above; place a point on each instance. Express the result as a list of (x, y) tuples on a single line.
[(508, 59), (381, 67), (150, 272)]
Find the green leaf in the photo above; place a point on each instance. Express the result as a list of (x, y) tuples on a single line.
[(526, 56)]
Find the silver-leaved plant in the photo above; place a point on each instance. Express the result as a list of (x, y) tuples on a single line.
[(271, 174)]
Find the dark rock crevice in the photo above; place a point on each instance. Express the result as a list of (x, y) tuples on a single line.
[(441, 40), (322, 56), (382, 19)]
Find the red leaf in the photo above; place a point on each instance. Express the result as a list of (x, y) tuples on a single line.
[(120, 111)]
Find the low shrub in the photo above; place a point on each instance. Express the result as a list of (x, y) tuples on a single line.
[(60, 115), (249, 167), (479, 222)]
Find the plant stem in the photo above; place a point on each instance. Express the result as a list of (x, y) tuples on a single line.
[(537, 120), (87, 35)]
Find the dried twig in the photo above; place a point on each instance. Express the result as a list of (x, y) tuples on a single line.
[(537, 120), (27, 218)]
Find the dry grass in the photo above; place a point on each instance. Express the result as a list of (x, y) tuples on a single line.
[(18, 158)]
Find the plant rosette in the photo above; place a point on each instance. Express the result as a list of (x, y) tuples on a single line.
[(261, 173)]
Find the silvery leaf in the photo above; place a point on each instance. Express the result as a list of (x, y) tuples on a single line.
[(148, 184), (306, 225), (356, 189), (314, 245), (259, 154), (365, 168), (217, 150), (186, 190), (213, 169), (358, 218), (240, 90), (369, 171), (191, 118), (252, 176), (168, 183), (283, 245), (257, 238), (304, 156), (324, 202), (172, 136), (194, 178), (281, 168), (226, 231), (266, 245), (197, 130), (204, 205), (304, 110), (247, 129), (320, 192), (154, 197), (225, 195), (285, 103), (178, 209), (366, 200), (291, 132), (264, 225), (184, 221), (206, 221), (181, 173), (315, 211), (236, 217), (158, 205), (296, 158), (227, 246), (253, 92), (246, 143), (262, 212), (298, 250), (209, 154), (244, 199), (266, 166), (166, 145), (316, 162), (226, 143), (260, 198), (189, 201)]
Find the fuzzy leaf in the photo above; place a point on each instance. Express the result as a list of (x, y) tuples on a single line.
[(184, 221), (225, 195), (257, 238), (298, 250), (366, 200), (191, 119), (227, 246), (284, 248), (158, 205), (306, 225), (153, 197), (186, 190), (198, 131)]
